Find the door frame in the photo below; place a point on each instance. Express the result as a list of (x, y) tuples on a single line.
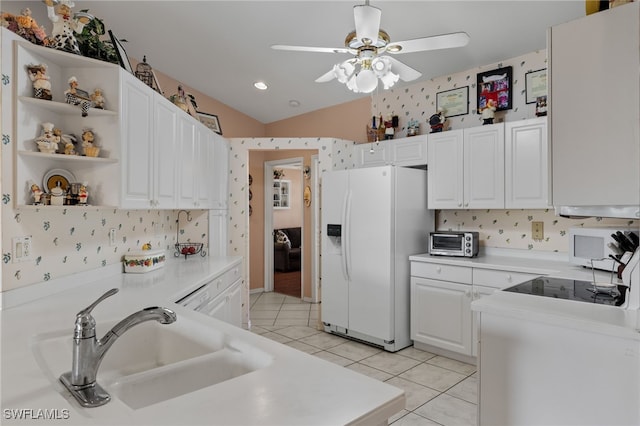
[(268, 221)]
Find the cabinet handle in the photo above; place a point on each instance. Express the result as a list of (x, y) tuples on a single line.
[(467, 293), (438, 269), (466, 204), (509, 279), (459, 204)]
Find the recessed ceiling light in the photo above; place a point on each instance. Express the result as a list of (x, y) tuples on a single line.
[(260, 85), (294, 103)]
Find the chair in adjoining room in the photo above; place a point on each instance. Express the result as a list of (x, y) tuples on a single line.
[(286, 249)]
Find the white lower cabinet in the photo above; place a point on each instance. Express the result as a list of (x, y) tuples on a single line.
[(441, 297), (441, 314), (227, 306)]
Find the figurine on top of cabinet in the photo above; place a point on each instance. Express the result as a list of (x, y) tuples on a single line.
[(64, 25), (488, 112), (48, 141), (25, 26), (98, 99), (36, 192), (390, 125), (76, 96), (437, 121), (413, 127), (41, 84)]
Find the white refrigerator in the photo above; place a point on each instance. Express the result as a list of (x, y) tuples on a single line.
[(373, 219)]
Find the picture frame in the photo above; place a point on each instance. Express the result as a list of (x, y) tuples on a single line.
[(454, 102), (121, 53), (497, 85), (535, 85), (211, 121)]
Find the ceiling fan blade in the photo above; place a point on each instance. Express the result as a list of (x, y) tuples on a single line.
[(405, 72), (442, 41), (313, 49), (330, 75), (367, 20)]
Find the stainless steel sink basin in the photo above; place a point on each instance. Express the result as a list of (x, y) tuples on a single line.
[(161, 384), (155, 362), (145, 347)]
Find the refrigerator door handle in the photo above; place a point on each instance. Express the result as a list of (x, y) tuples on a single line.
[(347, 236), (343, 237)]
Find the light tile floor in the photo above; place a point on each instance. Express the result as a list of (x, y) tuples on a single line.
[(439, 390)]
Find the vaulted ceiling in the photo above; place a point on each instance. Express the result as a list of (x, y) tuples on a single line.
[(221, 48)]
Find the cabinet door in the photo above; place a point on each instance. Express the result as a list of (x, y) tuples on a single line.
[(137, 143), (526, 164), (165, 152), (478, 292), (220, 187), (445, 170), (441, 314), (372, 154), (594, 109), (484, 167), (204, 167), (234, 304), (410, 151), (188, 162)]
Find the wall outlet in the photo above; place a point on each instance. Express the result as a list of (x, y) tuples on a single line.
[(537, 231), (112, 237), (21, 249)]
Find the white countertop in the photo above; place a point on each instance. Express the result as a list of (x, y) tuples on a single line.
[(609, 320), (295, 389)]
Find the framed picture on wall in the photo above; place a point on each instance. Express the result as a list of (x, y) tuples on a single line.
[(495, 85), (454, 102), (535, 84), (211, 121)]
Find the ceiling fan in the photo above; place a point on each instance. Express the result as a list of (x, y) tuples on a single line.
[(368, 43)]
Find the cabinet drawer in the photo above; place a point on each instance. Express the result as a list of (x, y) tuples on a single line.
[(225, 280), (458, 274), (500, 279)]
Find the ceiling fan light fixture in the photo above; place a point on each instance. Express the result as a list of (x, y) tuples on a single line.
[(366, 80), (394, 48)]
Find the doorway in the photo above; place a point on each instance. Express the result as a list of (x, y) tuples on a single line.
[(284, 226)]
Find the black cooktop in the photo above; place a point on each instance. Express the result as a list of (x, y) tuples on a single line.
[(562, 288)]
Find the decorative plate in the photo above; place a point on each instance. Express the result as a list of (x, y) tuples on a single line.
[(57, 176)]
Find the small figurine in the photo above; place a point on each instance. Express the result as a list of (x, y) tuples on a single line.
[(180, 99), (83, 194), (41, 84), (97, 99), (437, 121), (488, 112), (64, 25), (389, 126), (541, 106), (73, 96), (68, 141), (413, 127), (88, 143), (36, 192), (47, 142)]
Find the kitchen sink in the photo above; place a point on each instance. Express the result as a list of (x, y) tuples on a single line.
[(161, 384), (154, 362), (144, 347)]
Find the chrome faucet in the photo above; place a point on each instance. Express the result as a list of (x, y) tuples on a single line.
[(89, 351)]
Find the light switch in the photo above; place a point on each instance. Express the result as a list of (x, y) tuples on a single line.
[(21, 249)]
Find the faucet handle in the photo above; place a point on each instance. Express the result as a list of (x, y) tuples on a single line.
[(85, 324)]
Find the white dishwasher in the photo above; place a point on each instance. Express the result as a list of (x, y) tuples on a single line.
[(219, 298)]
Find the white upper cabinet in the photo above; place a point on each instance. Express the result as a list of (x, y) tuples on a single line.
[(593, 102), (527, 164), (408, 152), (484, 167), (445, 170), (466, 168), (220, 186)]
